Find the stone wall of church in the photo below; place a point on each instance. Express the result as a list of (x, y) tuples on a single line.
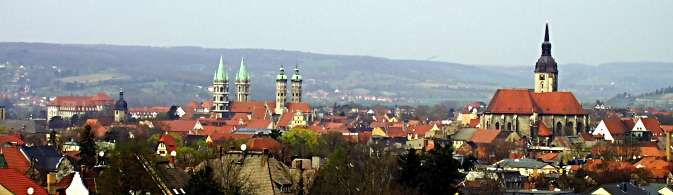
[(562, 125)]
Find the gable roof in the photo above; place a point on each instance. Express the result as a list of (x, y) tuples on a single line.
[(259, 144), (615, 126), (652, 124), (525, 101), (14, 139), (485, 136), (47, 157), (15, 159), (18, 183)]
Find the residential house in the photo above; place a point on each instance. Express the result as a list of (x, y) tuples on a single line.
[(166, 145)]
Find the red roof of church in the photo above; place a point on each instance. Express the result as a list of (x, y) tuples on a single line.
[(285, 119), (18, 183), (544, 131), (300, 106), (256, 108), (525, 101)]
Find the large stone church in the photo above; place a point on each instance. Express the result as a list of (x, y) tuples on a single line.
[(281, 112), (539, 112)]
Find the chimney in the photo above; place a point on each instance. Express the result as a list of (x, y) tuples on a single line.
[(51, 183)]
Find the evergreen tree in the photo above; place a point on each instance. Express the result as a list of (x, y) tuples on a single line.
[(87, 147), (410, 166), (440, 172)]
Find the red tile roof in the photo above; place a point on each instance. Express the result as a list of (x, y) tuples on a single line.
[(157, 109), (525, 101), (484, 136), (169, 141), (616, 126), (301, 107), (285, 119), (99, 99), (395, 132), (259, 144), (651, 151), (18, 183), (183, 126), (653, 125), (474, 123), (14, 139), (657, 167), (548, 157), (15, 159), (667, 128), (421, 130), (258, 124), (256, 108)]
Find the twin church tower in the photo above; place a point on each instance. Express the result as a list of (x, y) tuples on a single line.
[(221, 102)]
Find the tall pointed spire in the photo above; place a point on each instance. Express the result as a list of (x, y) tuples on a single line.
[(243, 74), (546, 32), (546, 45), (222, 73)]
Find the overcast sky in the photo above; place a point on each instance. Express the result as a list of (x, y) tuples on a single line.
[(494, 32)]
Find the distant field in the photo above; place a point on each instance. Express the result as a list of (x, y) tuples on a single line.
[(92, 78)]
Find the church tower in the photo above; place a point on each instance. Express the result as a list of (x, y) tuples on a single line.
[(220, 91), (120, 108), (242, 83), (281, 91), (296, 85), (546, 73)]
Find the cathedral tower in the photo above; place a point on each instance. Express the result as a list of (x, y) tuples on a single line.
[(242, 83), (296, 85), (281, 91), (220, 91), (546, 73), (121, 108)]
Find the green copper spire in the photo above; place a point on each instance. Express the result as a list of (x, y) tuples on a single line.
[(243, 74), (296, 76), (222, 73), (281, 76)]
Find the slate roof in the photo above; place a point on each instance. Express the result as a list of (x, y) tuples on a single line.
[(464, 134), (521, 163), (47, 157)]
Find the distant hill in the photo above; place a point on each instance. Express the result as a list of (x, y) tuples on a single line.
[(660, 98), (172, 75)]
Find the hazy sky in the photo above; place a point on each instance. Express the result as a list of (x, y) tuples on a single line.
[(475, 32)]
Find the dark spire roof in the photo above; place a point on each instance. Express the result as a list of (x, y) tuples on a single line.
[(546, 62), (121, 103)]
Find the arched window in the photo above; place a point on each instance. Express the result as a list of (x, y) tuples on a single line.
[(580, 127), (509, 126), (568, 130), (497, 125), (559, 128)]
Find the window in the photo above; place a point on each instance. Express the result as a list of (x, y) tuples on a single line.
[(542, 77)]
